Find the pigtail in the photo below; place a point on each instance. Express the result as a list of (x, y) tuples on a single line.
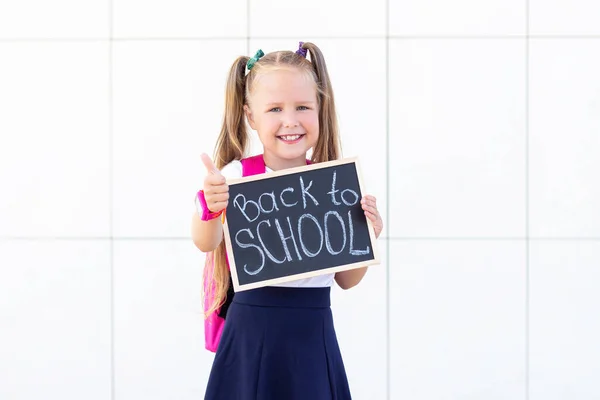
[(233, 138), (230, 146), (215, 289), (328, 147)]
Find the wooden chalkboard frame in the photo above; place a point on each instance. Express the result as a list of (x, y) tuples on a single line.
[(289, 171)]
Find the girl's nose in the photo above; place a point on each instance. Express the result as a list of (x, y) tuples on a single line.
[(290, 121)]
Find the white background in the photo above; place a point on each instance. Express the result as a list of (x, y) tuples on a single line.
[(489, 186)]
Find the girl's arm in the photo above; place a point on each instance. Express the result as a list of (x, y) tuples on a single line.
[(207, 235), (350, 278)]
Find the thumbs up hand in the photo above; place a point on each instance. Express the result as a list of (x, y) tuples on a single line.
[(216, 190)]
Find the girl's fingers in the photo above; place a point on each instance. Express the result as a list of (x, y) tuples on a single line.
[(214, 179), (370, 200), (218, 197), (224, 188), (371, 216), (368, 207), (218, 206), (371, 211), (211, 168), (212, 189)]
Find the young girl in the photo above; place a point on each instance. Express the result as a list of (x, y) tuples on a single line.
[(278, 342)]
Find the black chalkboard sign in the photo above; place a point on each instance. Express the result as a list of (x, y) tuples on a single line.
[(297, 223)]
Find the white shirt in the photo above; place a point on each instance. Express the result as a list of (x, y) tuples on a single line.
[(233, 170)]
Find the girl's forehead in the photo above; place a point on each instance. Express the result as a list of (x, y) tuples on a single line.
[(283, 81)]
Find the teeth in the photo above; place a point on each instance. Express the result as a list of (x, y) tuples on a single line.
[(290, 138)]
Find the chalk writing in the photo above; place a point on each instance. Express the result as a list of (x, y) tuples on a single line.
[(297, 223)]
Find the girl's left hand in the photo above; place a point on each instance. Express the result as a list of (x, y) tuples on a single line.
[(369, 205)]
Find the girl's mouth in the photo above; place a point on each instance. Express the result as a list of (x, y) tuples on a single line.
[(291, 139)]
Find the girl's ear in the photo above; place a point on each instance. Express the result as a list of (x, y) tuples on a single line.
[(249, 116)]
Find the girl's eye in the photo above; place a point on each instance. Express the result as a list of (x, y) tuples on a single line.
[(278, 109)]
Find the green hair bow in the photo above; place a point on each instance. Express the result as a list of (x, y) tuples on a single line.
[(254, 59)]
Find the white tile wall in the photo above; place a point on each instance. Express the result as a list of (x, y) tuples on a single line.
[(165, 115), (180, 19), (457, 319), (354, 18), (564, 324), (457, 136), (57, 19), (564, 138), (493, 146), (55, 319), (360, 316), (462, 17), (564, 17), (54, 151), (159, 322)]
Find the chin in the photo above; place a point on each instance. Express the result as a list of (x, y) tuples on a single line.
[(291, 157)]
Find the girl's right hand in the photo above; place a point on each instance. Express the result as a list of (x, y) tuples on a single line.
[(216, 190)]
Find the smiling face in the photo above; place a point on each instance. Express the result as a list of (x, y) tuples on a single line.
[(283, 109)]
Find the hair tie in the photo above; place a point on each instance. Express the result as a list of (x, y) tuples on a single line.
[(254, 59), (301, 51)]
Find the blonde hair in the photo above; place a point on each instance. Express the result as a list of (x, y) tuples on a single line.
[(233, 139)]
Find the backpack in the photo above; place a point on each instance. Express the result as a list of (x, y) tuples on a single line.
[(214, 323)]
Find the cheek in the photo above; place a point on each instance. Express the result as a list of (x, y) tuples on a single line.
[(311, 122), (265, 122)]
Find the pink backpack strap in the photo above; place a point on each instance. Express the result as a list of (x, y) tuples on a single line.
[(256, 165), (214, 324), (253, 165)]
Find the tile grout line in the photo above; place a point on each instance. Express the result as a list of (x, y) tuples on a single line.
[(387, 200), (387, 37), (386, 238), (113, 394), (248, 6), (527, 15)]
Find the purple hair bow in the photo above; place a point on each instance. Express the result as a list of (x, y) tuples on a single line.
[(301, 51)]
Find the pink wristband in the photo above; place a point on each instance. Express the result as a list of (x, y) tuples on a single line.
[(206, 214)]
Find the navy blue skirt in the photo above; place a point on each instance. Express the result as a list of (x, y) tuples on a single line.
[(279, 344)]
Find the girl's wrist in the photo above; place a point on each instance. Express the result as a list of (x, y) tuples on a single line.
[(202, 208)]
